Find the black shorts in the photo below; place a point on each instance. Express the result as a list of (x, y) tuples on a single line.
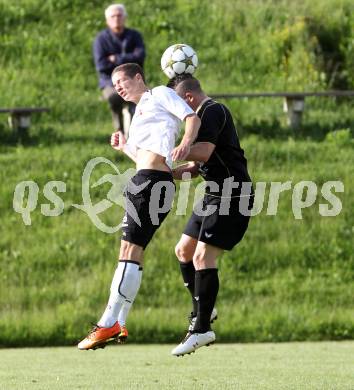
[(148, 195), (217, 229)]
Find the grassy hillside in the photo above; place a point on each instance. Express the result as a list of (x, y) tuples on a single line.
[(288, 280), (242, 46)]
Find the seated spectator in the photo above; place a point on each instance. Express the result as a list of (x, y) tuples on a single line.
[(114, 46)]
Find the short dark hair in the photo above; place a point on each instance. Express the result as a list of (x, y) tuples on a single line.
[(185, 83), (130, 69)]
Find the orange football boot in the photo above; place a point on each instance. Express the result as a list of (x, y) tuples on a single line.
[(123, 335), (99, 336)]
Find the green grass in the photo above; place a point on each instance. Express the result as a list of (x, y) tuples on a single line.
[(288, 279), (321, 366), (302, 46)]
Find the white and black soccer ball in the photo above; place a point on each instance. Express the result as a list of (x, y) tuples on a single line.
[(178, 59)]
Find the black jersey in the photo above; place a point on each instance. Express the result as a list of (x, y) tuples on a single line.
[(227, 159)]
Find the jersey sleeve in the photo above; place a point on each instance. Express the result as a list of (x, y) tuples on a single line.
[(213, 121), (169, 99)]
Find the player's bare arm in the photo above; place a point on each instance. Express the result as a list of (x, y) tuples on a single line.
[(190, 167), (190, 134), (200, 151)]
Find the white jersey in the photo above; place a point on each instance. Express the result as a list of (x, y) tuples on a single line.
[(157, 121)]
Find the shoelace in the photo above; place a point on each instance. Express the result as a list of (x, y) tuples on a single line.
[(191, 320), (187, 336), (94, 328), (189, 332)]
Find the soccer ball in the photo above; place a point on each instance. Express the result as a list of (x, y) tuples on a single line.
[(178, 59)]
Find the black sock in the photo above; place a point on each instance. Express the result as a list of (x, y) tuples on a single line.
[(206, 291), (188, 274)]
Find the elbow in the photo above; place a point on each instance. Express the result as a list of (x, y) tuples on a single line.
[(201, 156), (204, 158), (207, 152)]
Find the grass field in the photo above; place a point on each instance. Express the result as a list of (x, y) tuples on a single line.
[(325, 365)]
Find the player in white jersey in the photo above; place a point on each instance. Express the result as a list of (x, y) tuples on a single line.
[(151, 145)]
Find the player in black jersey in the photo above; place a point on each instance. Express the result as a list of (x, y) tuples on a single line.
[(218, 157)]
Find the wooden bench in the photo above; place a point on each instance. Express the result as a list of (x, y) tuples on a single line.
[(294, 102), (20, 118)]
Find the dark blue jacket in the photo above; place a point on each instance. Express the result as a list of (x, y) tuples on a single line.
[(127, 47)]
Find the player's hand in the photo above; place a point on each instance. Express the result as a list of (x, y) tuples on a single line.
[(180, 152), (181, 172), (118, 140), (112, 58)]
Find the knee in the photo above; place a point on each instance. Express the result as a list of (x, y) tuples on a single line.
[(130, 251), (182, 253), (124, 250), (199, 261)]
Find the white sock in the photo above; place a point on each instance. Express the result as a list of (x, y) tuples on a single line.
[(124, 311), (125, 284)]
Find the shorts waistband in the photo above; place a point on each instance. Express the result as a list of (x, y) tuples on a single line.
[(155, 172)]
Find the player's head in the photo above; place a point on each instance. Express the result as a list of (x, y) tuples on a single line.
[(116, 15), (129, 81), (188, 88), (130, 69)]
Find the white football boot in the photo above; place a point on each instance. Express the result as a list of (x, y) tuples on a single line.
[(194, 341), (213, 317)]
